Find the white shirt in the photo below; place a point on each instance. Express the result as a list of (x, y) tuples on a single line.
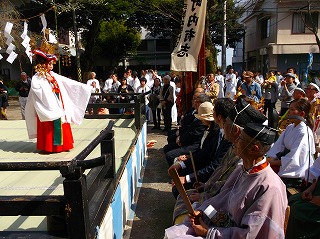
[(300, 141), (89, 82), (107, 85), (95, 90), (231, 85), (220, 80), (143, 90), (149, 79), (260, 79), (134, 83)]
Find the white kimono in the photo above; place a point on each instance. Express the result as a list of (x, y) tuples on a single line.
[(220, 80), (231, 86), (44, 103), (300, 141)]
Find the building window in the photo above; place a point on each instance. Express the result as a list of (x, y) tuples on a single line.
[(143, 46), (301, 22), (265, 28), (163, 45)]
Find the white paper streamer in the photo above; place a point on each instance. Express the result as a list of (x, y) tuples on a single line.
[(52, 38), (10, 48), (9, 40), (7, 29), (44, 23), (25, 30), (12, 56), (29, 53), (25, 42)]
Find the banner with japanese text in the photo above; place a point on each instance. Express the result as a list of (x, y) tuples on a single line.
[(185, 55)]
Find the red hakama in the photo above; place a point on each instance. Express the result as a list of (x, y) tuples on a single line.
[(45, 137)]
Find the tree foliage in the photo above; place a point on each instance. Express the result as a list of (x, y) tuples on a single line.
[(114, 39), (90, 14), (9, 14), (164, 19)]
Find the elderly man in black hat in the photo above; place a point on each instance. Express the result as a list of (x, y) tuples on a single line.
[(253, 201)]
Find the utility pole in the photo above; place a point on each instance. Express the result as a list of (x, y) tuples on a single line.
[(75, 29), (224, 38)]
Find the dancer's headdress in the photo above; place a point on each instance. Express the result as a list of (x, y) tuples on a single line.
[(46, 51)]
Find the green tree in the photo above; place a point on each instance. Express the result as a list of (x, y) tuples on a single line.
[(89, 16), (114, 39)]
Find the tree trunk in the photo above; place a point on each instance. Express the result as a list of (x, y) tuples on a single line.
[(87, 58)]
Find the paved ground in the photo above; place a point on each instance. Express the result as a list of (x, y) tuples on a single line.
[(155, 204), (13, 111)]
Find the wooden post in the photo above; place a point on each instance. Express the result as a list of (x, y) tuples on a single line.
[(77, 208), (108, 147), (137, 112)]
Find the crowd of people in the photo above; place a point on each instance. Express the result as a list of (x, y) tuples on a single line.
[(160, 100), (240, 160), (239, 170)]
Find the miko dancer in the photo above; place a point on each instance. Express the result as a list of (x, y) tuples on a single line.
[(53, 103)]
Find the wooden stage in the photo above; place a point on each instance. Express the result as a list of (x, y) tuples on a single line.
[(16, 147)]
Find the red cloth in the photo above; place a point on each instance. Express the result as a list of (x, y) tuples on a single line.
[(258, 168), (45, 137)]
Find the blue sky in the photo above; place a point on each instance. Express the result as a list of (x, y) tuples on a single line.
[(228, 56)]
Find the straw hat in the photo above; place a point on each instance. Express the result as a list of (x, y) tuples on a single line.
[(205, 112)]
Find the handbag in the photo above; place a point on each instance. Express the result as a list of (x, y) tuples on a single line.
[(159, 106)]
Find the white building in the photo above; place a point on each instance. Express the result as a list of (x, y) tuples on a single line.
[(277, 36)]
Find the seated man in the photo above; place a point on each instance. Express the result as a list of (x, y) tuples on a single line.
[(191, 139), (234, 120), (186, 119), (213, 158), (253, 201), (209, 140)]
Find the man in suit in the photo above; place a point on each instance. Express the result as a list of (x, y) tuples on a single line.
[(190, 139)]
